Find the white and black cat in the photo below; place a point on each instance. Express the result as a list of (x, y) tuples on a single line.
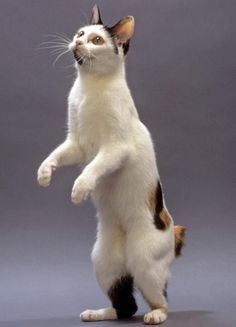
[(136, 239)]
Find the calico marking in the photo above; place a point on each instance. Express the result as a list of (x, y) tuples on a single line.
[(162, 219), (180, 232), (122, 299)]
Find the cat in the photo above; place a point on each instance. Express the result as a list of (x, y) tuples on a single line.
[(136, 238)]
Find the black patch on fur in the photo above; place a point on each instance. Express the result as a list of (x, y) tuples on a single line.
[(165, 292), (178, 249), (126, 47), (113, 38), (122, 299), (159, 223), (96, 16)]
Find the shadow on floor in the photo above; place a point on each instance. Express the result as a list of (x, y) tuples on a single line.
[(175, 319)]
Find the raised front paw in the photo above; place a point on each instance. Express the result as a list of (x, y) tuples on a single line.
[(82, 188), (45, 172)]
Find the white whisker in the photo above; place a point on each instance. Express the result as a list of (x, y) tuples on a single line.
[(55, 52), (59, 56), (57, 44), (53, 42), (72, 74), (59, 37), (52, 47)]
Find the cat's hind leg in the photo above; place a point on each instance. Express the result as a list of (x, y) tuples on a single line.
[(149, 256), (108, 257)]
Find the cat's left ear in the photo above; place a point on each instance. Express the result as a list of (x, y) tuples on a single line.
[(124, 29), (96, 16)]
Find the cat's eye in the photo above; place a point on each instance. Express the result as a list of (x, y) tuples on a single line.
[(81, 33), (98, 40)]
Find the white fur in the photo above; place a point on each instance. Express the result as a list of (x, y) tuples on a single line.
[(106, 136), (155, 317), (101, 314)]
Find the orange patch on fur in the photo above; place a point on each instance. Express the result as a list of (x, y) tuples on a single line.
[(180, 232), (165, 217)]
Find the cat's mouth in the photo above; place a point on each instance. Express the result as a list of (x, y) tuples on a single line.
[(78, 57)]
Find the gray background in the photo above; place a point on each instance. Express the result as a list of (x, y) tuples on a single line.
[(181, 70)]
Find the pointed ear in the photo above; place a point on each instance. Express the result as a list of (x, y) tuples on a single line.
[(124, 29), (95, 17)]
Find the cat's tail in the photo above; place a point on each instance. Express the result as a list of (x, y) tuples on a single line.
[(180, 232)]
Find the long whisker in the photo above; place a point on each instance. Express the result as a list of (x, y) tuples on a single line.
[(70, 75), (68, 66), (63, 35), (62, 38), (55, 52), (57, 42), (53, 42), (59, 56), (52, 47)]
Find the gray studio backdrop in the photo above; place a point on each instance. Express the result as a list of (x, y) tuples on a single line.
[(181, 70)]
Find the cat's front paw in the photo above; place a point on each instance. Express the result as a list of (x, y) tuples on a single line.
[(45, 172), (155, 317), (82, 188)]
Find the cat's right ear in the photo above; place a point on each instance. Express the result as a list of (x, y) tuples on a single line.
[(124, 29), (96, 16)]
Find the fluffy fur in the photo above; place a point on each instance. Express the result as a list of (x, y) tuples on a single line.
[(135, 236)]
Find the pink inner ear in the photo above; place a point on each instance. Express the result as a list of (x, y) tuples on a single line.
[(125, 29)]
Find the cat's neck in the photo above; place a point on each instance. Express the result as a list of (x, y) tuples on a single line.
[(87, 77)]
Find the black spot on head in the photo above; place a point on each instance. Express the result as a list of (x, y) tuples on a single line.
[(121, 296), (113, 38), (159, 223)]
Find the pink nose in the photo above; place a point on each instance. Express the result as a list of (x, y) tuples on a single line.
[(78, 42)]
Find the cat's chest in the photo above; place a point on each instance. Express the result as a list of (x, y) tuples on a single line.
[(91, 127)]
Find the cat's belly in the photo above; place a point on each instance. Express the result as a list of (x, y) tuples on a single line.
[(121, 194)]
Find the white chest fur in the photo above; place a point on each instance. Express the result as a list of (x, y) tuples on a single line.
[(90, 126), (98, 111)]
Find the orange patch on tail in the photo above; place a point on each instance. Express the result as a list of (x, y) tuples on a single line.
[(180, 232)]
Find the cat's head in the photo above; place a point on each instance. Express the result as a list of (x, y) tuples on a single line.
[(101, 49)]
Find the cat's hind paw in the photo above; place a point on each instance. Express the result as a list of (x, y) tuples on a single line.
[(155, 317)]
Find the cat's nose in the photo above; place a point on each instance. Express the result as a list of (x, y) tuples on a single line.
[(78, 43)]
